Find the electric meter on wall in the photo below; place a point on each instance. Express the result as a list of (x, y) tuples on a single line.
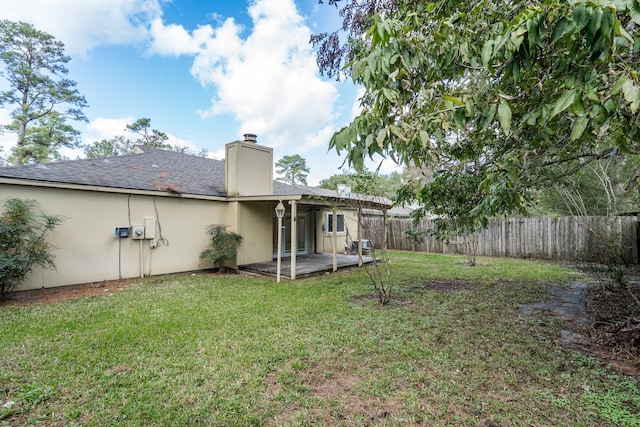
[(138, 232)]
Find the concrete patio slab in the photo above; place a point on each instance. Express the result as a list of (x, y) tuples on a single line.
[(306, 265)]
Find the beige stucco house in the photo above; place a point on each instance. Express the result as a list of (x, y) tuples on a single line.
[(164, 200)]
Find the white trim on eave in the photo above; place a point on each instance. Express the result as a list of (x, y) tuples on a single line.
[(273, 198), (59, 185)]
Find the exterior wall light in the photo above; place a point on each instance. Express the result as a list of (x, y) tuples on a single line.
[(279, 215), (280, 210)]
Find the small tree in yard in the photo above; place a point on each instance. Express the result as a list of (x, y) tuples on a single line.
[(22, 242), (450, 195), (223, 247), (367, 184)]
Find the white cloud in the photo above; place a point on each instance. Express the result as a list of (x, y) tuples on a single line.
[(174, 40), (218, 154), (175, 141), (318, 140), (268, 80), (85, 24), (103, 128), (72, 153)]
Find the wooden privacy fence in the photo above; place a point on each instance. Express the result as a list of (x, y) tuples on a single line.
[(565, 238)]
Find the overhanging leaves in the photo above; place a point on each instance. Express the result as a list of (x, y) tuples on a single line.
[(508, 92)]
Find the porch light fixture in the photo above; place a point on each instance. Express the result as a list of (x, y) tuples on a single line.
[(280, 210), (279, 215)]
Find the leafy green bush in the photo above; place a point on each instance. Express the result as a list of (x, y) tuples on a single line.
[(223, 246), (22, 242)]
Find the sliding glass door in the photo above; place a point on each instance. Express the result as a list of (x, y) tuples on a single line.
[(301, 228)]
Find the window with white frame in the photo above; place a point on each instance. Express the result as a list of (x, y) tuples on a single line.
[(340, 224)]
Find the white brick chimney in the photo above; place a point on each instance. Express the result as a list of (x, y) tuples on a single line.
[(248, 168)]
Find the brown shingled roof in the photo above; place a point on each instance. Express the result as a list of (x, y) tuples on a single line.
[(153, 169), (150, 169)]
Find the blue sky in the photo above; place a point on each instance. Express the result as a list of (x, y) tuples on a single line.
[(204, 72)]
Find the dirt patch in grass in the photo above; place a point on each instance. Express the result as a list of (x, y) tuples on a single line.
[(342, 389), (52, 295), (446, 286)]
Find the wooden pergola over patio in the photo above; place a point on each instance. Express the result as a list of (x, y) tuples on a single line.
[(328, 199)]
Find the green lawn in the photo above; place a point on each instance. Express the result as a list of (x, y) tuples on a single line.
[(232, 351)]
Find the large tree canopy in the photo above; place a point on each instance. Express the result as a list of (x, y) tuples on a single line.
[(43, 140), (292, 169), (516, 94), (34, 66)]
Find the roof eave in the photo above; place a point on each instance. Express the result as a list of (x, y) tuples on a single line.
[(97, 188)]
